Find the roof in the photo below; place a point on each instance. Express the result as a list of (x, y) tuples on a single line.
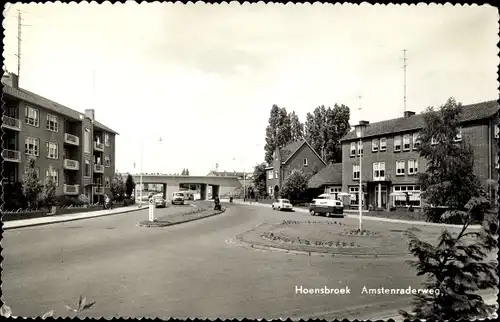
[(472, 112), (48, 104), (329, 175), (290, 149)]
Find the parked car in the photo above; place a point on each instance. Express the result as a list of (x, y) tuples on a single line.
[(282, 204), (160, 202), (178, 198), (327, 205)]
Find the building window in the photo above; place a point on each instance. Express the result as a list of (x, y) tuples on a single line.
[(106, 140), (379, 171), (375, 145), (406, 142), (412, 166), (354, 192), (87, 168), (276, 174), (52, 123), (458, 137), (31, 116), (31, 146), (54, 175), (411, 192), (334, 190), (107, 161), (305, 162), (353, 149), (416, 140), (397, 143), (400, 168), (355, 172), (360, 148), (383, 144), (269, 174), (86, 140), (52, 150), (106, 182)]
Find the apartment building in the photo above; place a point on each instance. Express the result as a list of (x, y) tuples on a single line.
[(80, 150), (297, 155), (391, 160)]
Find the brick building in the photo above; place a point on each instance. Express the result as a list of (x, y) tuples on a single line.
[(80, 150), (391, 157), (294, 156)]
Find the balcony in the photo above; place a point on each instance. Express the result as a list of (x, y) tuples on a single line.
[(71, 139), (99, 146), (98, 168), (11, 155), (11, 123), (99, 190), (71, 189), (71, 164)]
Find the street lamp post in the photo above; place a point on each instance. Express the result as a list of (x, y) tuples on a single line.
[(360, 131)]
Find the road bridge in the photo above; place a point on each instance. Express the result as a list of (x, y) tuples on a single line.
[(171, 183)]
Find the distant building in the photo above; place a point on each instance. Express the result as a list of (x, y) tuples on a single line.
[(80, 150), (391, 158), (297, 155), (327, 180)]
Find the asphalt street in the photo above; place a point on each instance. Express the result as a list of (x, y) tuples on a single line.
[(188, 270)]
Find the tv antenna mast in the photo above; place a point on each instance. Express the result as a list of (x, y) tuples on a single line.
[(404, 72), (19, 40)]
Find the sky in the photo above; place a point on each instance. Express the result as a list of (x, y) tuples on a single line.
[(203, 78)]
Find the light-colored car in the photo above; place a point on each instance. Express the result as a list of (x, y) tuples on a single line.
[(159, 202), (178, 198), (282, 204), (326, 204)]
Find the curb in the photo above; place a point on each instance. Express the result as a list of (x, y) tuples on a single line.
[(70, 219), (180, 222)]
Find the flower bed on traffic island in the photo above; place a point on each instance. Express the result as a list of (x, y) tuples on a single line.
[(338, 237)]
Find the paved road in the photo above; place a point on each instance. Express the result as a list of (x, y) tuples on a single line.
[(183, 271)]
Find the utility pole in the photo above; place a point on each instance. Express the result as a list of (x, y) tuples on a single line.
[(404, 71)]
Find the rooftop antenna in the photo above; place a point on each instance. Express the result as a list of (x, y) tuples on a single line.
[(404, 72), (19, 40)]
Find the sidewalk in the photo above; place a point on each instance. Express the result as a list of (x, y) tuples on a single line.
[(356, 216), (70, 217)]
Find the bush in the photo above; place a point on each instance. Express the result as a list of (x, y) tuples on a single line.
[(392, 209), (83, 199), (13, 196)]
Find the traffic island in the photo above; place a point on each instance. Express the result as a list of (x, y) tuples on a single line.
[(337, 237), (179, 218)]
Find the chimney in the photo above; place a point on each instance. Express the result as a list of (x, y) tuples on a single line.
[(407, 114), (90, 113), (10, 79)]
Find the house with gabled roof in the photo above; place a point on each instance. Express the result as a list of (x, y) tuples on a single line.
[(327, 180), (391, 160), (298, 155)]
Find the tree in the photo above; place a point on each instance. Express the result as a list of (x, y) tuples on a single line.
[(259, 179), (129, 186), (278, 132), (297, 128), (325, 128), (448, 181), (295, 185), (457, 267), (187, 172), (49, 190), (117, 187), (183, 172), (32, 186)]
